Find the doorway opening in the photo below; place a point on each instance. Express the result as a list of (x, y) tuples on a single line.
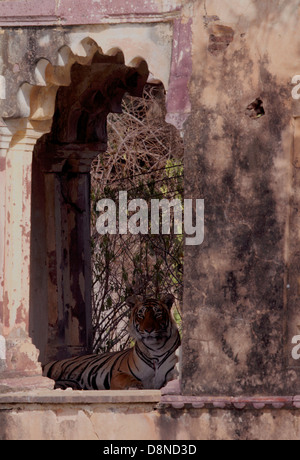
[(144, 159), (60, 265), (108, 133)]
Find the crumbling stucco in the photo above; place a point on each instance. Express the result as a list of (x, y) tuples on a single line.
[(236, 282), (131, 418)]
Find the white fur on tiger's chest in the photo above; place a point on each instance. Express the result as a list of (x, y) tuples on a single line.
[(149, 378), (155, 377), (153, 381)]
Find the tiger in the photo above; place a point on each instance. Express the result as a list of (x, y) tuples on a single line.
[(146, 365)]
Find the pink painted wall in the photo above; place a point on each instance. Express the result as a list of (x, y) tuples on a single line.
[(71, 12)]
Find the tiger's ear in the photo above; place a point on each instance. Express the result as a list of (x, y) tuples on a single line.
[(133, 300), (168, 300)]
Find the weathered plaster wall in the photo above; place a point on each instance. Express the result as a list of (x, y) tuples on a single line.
[(241, 286), (237, 330), (70, 12), (45, 416)]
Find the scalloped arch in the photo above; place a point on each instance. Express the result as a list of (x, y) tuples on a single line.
[(40, 71), (116, 52), (37, 102)]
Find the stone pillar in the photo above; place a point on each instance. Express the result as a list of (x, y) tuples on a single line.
[(61, 249), (21, 354), (2, 353), (17, 253), (5, 138)]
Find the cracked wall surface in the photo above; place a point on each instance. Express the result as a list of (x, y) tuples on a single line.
[(238, 296), (140, 421)]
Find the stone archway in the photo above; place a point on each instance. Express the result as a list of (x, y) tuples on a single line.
[(63, 156), (60, 315), (29, 113)]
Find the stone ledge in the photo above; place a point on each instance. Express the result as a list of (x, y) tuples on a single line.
[(227, 402), (154, 397), (30, 391), (11, 382), (171, 396), (81, 397)]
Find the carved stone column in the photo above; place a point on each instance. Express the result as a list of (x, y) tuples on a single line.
[(61, 316), (5, 138), (19, 355)]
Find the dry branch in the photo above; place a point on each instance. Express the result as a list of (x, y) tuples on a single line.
[(144, 157)]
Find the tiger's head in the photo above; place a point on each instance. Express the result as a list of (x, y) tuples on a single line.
[(151, 320)]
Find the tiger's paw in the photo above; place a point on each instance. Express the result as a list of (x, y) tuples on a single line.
[(67, 384)]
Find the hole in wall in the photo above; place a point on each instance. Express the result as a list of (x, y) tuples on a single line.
[(255, 109), (220, 37)]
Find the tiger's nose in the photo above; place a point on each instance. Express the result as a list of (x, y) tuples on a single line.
[(149, 329)]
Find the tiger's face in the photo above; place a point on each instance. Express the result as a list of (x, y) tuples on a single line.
[(151, 320)]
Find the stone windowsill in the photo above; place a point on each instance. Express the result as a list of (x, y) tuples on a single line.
[(149, 397), (81, 397), (167, 397)]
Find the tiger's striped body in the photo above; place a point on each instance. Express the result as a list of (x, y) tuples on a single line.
[(147, 365)]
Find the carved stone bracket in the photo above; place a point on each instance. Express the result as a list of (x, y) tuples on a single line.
[(94, 92)]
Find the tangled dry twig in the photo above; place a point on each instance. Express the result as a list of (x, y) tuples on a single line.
[(144, 158)]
